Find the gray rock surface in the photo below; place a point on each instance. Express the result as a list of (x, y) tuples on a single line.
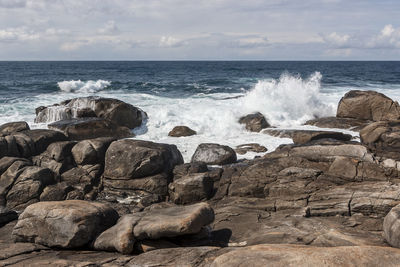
[(13, 127), (191, 188), (179, 131), (214, 154), (254, 122)]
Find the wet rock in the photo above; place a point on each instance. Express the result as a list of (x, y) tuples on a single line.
[(391, 227), (214, 154), (91, 151), (174, 221), (64, 224), (254, 122), (383, 138), (285, 255), (113, 110), (368, 105), (191, 188), (302, 137), (89, 128), (256, 148), (13, 127), (339, 123), (179, 131)]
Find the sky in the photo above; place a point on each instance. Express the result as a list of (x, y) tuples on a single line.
[(199, 30)]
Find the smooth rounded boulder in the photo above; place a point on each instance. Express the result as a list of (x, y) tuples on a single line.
[(391, 227), (13, 127), (214, 154), (63, 224), (368, 105)]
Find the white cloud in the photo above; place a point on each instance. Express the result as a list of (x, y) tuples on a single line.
[(389, 38), (336, 39), (18, 34)]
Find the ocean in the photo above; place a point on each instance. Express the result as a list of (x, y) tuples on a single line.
[(207, 96)]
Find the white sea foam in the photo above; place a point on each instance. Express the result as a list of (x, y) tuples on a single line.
[(83, 87)]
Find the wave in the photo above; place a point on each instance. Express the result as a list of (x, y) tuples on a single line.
[(289, 100), (83, 87)]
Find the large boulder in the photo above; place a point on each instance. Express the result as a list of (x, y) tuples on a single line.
[(179, 131), (391, 227), (254, 122), (338, 123), (135, 168), (91, 151), (114, 110), (89, 128), (63, 224), (294, 255), (368, 105), (214, 154), (13, 127), (191, 188), (383, 138)]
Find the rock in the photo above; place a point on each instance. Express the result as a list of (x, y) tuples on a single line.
[(180, 131), (391, 227), (254, 122), (191, 188), (63, 224), (91, 151), (302, 137), (89, 128), (84, 178), (7, 216), (287, 255), (339, 123), (187, 168), (214, 154), (119, 237), (174, 221), (112, 110), (130, 159), (56, 192), (368, 105), (256, 148), (33, 142), (13, 127), (383, 138), (28, 187)]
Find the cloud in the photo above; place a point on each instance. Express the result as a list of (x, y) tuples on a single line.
[(388, 38), (12, 3), (336, 39), (18, 34), (109, 28), (169, 41)]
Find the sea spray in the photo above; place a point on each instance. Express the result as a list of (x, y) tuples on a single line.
[(83, 87)]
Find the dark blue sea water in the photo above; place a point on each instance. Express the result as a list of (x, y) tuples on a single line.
[(206, 96)]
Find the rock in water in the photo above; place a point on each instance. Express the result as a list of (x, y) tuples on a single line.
[(214, 154), (391, 227), (63, 224), (13, 127), (253, 147), (368, 105), (254, 122), (114, 110), (180, 131)]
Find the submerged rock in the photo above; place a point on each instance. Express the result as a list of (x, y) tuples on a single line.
[(254, 122), (214, 154), (63, 224), (368, 105), (257, 148), (180, 131)]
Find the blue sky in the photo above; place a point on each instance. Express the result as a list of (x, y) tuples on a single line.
[(201, 29)]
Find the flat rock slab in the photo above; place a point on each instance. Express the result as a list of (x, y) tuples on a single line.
[(291, 255), (305, 136), (65, 224), (339, 123)]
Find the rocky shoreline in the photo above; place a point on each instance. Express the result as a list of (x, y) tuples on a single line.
[(79, 194)]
